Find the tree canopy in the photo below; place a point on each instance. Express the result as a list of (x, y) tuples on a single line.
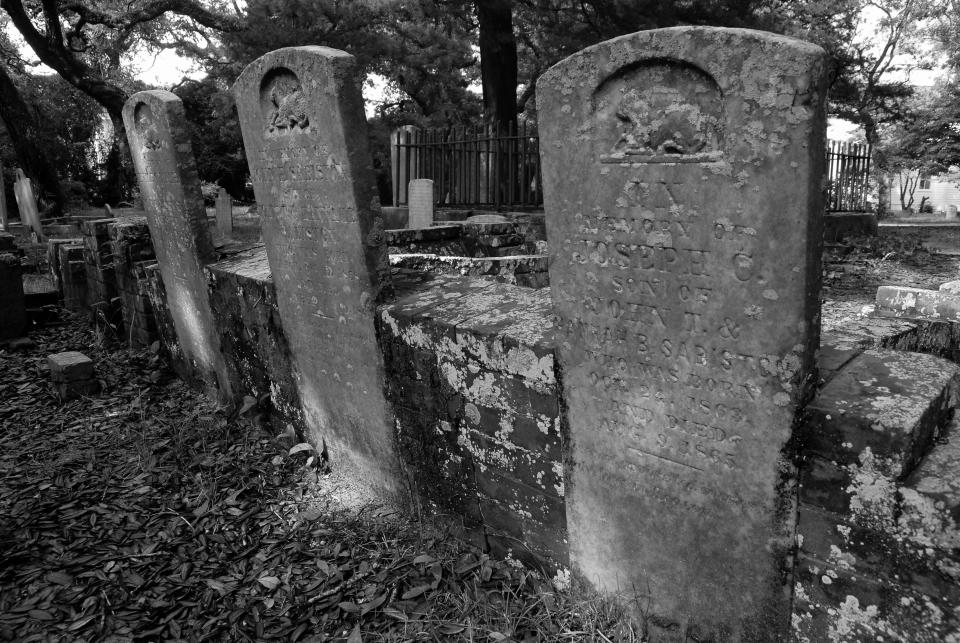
[(433, 54)]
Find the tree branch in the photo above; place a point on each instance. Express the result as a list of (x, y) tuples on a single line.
[(152, 10)]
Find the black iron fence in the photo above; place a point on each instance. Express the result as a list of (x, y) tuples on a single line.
[(488, 167), (848, 176), (494, 168)]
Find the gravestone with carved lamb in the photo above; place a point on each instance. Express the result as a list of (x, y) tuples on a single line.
[(304, 131), (682, 175), (170, 188)]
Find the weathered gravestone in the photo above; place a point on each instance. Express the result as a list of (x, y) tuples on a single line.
[(682, 174), (304, 131), (224, 212), (27, 204), (170, 188), (420, 207)]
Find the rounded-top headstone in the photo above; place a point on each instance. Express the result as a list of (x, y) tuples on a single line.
[(305, 135), (157, 130), (683, 173)]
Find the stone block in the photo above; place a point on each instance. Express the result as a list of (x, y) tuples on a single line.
[(834, 353), (903, 301), (70, 366), (13, 311), (7, 242), (888, 403), (72, 374), (836, 604)]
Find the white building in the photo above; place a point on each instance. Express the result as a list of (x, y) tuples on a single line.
[(941, 191)]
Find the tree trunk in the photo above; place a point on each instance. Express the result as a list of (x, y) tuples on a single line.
[(498, 61), (498, 71), (22, 126)]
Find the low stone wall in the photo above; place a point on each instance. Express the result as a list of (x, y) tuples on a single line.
[(103, 300), (472, 381), (72, 276), (941, 237), (258, 358), (839, 225), (529, 271), (878, 546), (13, 312), (132, 251), (519, 236)]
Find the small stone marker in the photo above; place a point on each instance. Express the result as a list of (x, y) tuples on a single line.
[(72, 374), (224, 210), (27, 204), (170, 188), (682, 177), (13, 311), (919, 303), (421, 203), (304, 131)]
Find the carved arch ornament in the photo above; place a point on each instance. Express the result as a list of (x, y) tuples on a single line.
[(660, 111), (282, 102), (147, 128)]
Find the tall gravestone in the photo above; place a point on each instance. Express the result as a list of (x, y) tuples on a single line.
[(305, 134), (683, 174), (170, 189)]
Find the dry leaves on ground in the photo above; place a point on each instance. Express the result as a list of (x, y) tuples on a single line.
[(142, 513)]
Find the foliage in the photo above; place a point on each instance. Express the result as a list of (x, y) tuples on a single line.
[(215, 133), (871, 83), (421, 48), (550, 30), (146, 512), (69, 121), (925, 141)]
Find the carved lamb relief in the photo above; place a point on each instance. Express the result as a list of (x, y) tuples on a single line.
[(662, 111), (284, 102)]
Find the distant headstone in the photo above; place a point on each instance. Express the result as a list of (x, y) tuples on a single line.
[(403, 160), (27, 204), (305, 134), (683, 174), (420, 206), (951, 212), (170, 189), (224, 210)]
